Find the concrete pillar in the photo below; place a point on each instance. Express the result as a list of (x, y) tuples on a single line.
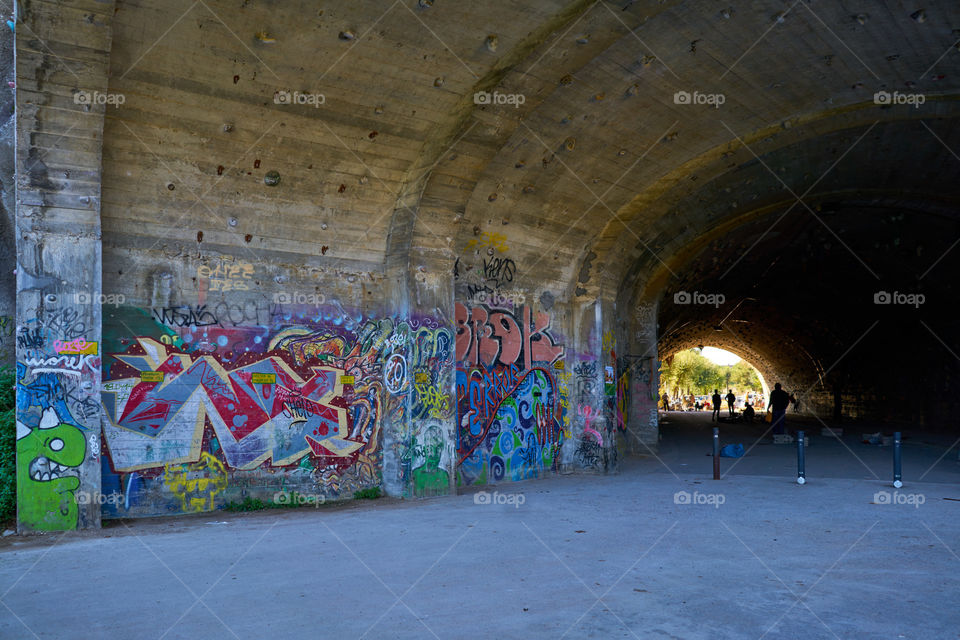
[(594, 429), (419, 449), (640, 360), (62, 64)]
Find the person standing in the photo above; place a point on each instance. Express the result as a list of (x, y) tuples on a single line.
[(715, 416), (779, 401), (730, 400)]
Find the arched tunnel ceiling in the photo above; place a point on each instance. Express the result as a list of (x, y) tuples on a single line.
[(596, 171), (800, 287)]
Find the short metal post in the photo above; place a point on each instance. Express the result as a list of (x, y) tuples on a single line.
[(897, 476), (716, 453), (801, 463)]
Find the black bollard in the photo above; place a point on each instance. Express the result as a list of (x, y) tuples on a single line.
[(716, 453), (897, 477), (801, 463)]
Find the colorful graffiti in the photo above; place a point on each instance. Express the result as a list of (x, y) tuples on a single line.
[(491, 337), (300, 405), (263, 409), (302, 402), (47, 460), (510, 410), (417, 357), (57, 373)]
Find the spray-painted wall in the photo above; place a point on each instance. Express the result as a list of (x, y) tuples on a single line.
[(199, 410)]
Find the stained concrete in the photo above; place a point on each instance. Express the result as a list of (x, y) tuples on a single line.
[(581, 557)]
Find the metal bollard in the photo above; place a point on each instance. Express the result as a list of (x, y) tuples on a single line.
[(716, 453), (801, 463), (897, 476)]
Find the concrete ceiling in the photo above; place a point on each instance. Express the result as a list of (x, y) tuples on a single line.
[(598, 158), (601, 184)]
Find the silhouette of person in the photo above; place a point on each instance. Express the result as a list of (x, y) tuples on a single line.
[(730, 400), (665, 399), (748, 412), (715, 416), (779, 401)]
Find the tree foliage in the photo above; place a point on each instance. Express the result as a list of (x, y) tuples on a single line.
[(688, 372)]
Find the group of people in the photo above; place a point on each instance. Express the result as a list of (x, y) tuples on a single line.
[(779, 401)]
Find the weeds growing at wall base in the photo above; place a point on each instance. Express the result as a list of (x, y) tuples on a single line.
[(8, 446)]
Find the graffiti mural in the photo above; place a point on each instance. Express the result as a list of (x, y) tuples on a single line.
[(417, 361), (511, 411), (57, 412), (198, 411), (47, 476)]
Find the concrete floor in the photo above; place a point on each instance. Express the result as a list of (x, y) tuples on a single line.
[(581, 557)]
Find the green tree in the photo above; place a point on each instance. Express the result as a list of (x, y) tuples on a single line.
[(689, 373)]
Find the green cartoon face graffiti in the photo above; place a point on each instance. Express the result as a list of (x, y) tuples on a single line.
[(47, 461), (430, 479)]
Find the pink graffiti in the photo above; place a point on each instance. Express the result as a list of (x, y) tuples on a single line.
[(491, 337), (70, 345), (585, 412)]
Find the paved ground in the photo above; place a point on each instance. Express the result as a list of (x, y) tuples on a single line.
[(751, 556)]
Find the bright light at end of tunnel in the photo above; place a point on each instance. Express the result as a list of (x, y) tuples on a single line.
[(719, 356)]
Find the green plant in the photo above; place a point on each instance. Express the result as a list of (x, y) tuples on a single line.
[(247, 504), (8, 445), (371, 493)]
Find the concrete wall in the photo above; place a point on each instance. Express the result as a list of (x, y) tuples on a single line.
[(8, 192)]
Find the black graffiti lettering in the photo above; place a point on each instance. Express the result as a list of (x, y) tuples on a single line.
[(499, 270), (185, 316)]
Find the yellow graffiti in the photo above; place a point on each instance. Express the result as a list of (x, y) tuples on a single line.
[(623, 386), (609, 343), (495, 240), (196, 484), (563, 380), (434, 399), (225, 276)]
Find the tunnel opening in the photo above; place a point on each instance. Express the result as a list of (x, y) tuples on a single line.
[(689, 377), (849, 308)]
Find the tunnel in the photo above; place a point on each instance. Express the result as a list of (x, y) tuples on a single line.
[(268, 249)]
